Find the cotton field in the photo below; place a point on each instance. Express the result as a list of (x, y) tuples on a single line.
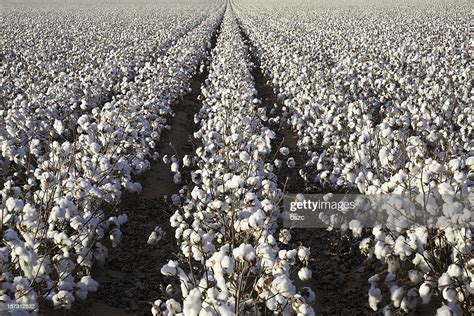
[(149, 151)]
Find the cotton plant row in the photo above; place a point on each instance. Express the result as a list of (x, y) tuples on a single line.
[(54, 72), (59, 221), (234, 257), (379, 108)]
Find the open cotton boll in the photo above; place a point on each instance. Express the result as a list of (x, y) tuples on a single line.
[(285, 151), (305, 274), (155, 236), (59, 127), (245, 252), (444, 311), (244, 156), (396, 295), (291, 163), (303, 253), (187, 160), (450, 294), (192, 303), (375, 297), (63, 299), (454, 271)]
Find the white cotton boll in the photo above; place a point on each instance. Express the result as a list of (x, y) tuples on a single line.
[(425, 291), (284, 151), (173, 307), (158, 308), (58, 127), (10, 235), (63, 299), (14, 205), (192, 303), (444, 280), (454, 271), (171, 268), (245, 252), (305, 274), (444, 311), (227, 263), (92, 285), (436, 167), (390, 279), (174, 167), (450, 294), (283, 285), (187, 160), (278, 163), (356, 227), (122, 219), (305, 310), (166, 159), (156, 236), (375, 297), (244, 156), (291, 163), (303, 253), (397, 294), (374, 280), (115, 236), (470, 162)]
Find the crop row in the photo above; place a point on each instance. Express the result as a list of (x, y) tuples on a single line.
[(235, 258)]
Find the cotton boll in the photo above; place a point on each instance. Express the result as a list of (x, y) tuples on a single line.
[(444, 280), (155, 236), (278, 163), (192, 303), (454, 271), (173, 307), (303, 253), (305, 274), (244, 156), (291, 163), (450, 294), (397, 294), (284, 151), (187, 160), (175, 167), (375, 297), (59, 127), (425, 291), (63, 299), (245, 252), (158, 308), (444, 311)]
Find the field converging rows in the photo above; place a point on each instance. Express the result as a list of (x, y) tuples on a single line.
[(147, 149)]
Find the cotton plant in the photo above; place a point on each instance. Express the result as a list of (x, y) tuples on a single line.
[(227, 224)]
